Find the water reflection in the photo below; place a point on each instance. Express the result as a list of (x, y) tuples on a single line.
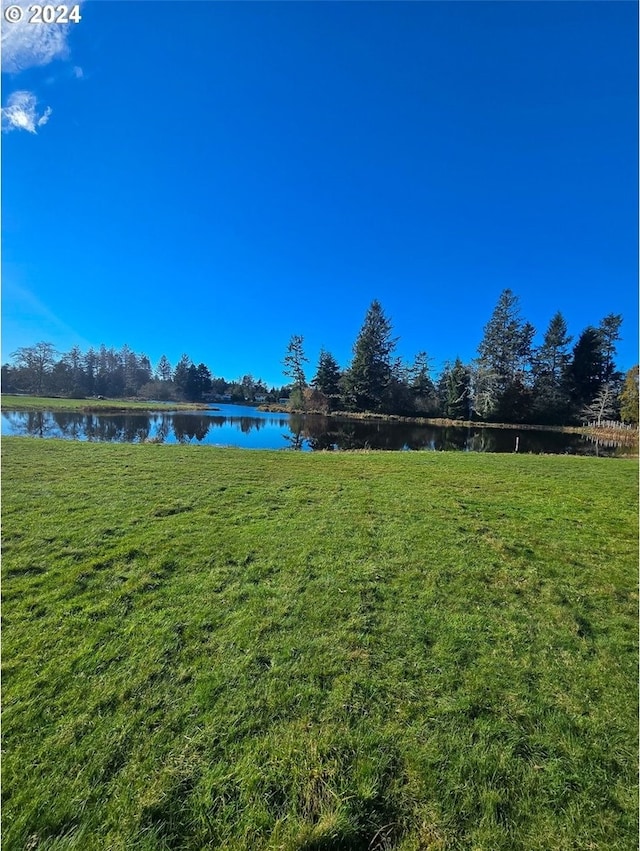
[(246, 427)]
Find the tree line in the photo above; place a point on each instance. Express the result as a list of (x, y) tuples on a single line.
[(511, 380), (117, 373)]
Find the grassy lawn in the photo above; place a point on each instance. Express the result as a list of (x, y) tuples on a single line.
[(224, 649), (45, 403)]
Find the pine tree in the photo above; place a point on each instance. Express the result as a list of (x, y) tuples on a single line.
[(503, 360), (90, 362), (629, 394), (293, 368), (73, 359), (327, 377), (163, 370), (585, 373), (608, 330), (129, 361), (421, 385), (181, 376), (457, 392), (370, 373), (485, 392), (144, 373), (550, 362), (203, 380)]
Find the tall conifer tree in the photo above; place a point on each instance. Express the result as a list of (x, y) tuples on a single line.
[(294, 361), (586, 371), (503, 361), (327, 377), (371, 369), (550, 362)]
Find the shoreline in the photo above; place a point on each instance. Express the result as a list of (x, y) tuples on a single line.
[(90, 405), (627, 435)]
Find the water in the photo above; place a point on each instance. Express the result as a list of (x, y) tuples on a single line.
[(248, 428)]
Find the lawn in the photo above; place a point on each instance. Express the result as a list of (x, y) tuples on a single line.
[(57, 403), (223, 649)]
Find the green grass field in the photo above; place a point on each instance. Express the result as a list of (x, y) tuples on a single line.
[(48, 403), (225, 649)]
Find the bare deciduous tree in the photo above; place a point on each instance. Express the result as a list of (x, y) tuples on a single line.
[(37, 360)]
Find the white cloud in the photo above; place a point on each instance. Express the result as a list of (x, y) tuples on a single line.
[(44, 117), (29, 45), (20, 113), (26, 45)]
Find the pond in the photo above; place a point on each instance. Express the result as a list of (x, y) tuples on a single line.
[(249, 428)]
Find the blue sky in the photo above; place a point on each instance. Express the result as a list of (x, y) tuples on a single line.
[(213, 177)]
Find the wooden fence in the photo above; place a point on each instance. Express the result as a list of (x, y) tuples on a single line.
[(612, 424)]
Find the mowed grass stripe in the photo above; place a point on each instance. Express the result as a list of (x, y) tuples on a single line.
[(208, 648)]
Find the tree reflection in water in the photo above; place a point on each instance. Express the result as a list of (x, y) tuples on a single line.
[(188, 427), (247, 424), (37, 424), (299, 432), (162, 423)]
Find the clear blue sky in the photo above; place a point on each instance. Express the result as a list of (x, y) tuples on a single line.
[(212, 177)]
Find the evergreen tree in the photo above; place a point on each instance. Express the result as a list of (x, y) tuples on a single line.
[(608, 330), (248, 384), (60, 379), (202, 381), (115, 373), (73, 360), (101, 371), (503, 359), (629, 400), (485, 393), (327, 377), (294, 369), (422, 388), (90, 363), (370, 373), (457, 391), (129, 362), (192, 387), (181, 376), (550, 362), (399, 397), (143, 373), (163, 369), (585, 373)]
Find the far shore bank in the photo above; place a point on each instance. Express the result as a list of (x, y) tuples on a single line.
[(623, 433), (94, 404)]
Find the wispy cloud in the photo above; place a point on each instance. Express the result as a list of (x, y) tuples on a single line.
[(26, 45), (20, 113), (26, 318), (30, 45)]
